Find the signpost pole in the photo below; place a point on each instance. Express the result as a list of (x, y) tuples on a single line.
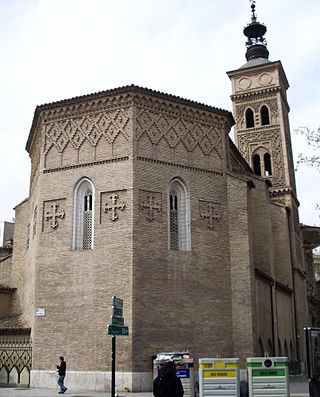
[(116, 327), (113, 374)]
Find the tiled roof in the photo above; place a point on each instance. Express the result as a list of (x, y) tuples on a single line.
[(16, 325), (7, 290)]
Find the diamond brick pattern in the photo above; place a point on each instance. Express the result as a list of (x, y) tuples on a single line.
[(90, 128), (176, 130), (15, 355)]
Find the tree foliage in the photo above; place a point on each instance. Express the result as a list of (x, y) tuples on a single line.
[(313, 141)]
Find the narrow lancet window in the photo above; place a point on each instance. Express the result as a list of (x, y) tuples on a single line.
[(82, 226), (249, 118), (256, 164), (87, 221), (179, 216), (267, 164), (264, 114), (174, 228)]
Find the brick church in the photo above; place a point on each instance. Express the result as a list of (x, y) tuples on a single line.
[(142, 195)]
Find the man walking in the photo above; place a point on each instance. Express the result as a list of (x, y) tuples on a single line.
[(62, 373)]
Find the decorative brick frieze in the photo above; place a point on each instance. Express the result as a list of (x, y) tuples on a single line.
[(270, 139), (174, 129), (90, 127), (256, 105)]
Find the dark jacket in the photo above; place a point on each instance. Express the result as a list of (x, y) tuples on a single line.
[(62, 368), (169, 386)]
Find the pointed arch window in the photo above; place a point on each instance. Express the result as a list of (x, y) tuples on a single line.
[(256, 164), (261, 161), (249, 118), (267, 164), (264, 115), (178, 216), (82, 223)]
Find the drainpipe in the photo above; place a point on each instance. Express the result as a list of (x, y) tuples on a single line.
[(271, 283), (272, 317), (288, 209)]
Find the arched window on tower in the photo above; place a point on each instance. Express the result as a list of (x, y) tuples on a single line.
[(256, 165), (261, 162), (178, 216), (264, 115), (82, 223), (249, 118), (267, 164)]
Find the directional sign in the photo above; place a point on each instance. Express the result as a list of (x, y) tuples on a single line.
[(117, 320), (116, 312), (117, 330), (117, 302)]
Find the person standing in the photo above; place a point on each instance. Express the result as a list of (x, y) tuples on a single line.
[(167, 384), (62, 373)]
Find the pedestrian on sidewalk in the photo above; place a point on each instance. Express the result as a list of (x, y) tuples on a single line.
[(167, 384), (62, 373)]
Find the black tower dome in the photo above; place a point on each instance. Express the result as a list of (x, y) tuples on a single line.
[(256, 44)]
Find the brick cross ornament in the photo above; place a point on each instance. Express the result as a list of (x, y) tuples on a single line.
[(54, 214), (211, 214), (150, 205), (113, 205)]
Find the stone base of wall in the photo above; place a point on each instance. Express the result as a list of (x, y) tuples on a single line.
[(95, 381)]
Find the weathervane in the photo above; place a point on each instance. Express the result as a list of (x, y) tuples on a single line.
[(256, 43), (253, 7)]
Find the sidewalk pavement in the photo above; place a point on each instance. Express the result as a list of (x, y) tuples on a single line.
[(299, 387)]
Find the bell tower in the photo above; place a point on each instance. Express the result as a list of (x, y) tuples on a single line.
[(260, 108), (262, 135)]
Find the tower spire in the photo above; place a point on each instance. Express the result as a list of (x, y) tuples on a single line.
[(254, 31)]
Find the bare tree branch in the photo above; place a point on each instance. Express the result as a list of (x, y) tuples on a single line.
[(313, 140)]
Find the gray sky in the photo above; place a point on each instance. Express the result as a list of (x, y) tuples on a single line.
[(58, 49)]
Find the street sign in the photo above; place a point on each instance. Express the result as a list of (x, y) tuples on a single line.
[(117, 330), (117, 302), (116, 312), (117, 320)]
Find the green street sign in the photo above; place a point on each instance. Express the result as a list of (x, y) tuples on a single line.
[(116, 311), (117, 330), (117, 320), (117, 302)]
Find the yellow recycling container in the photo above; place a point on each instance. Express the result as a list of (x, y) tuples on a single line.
[(219, 377)]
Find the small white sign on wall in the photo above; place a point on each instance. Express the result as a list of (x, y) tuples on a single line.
[(40, 312)]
